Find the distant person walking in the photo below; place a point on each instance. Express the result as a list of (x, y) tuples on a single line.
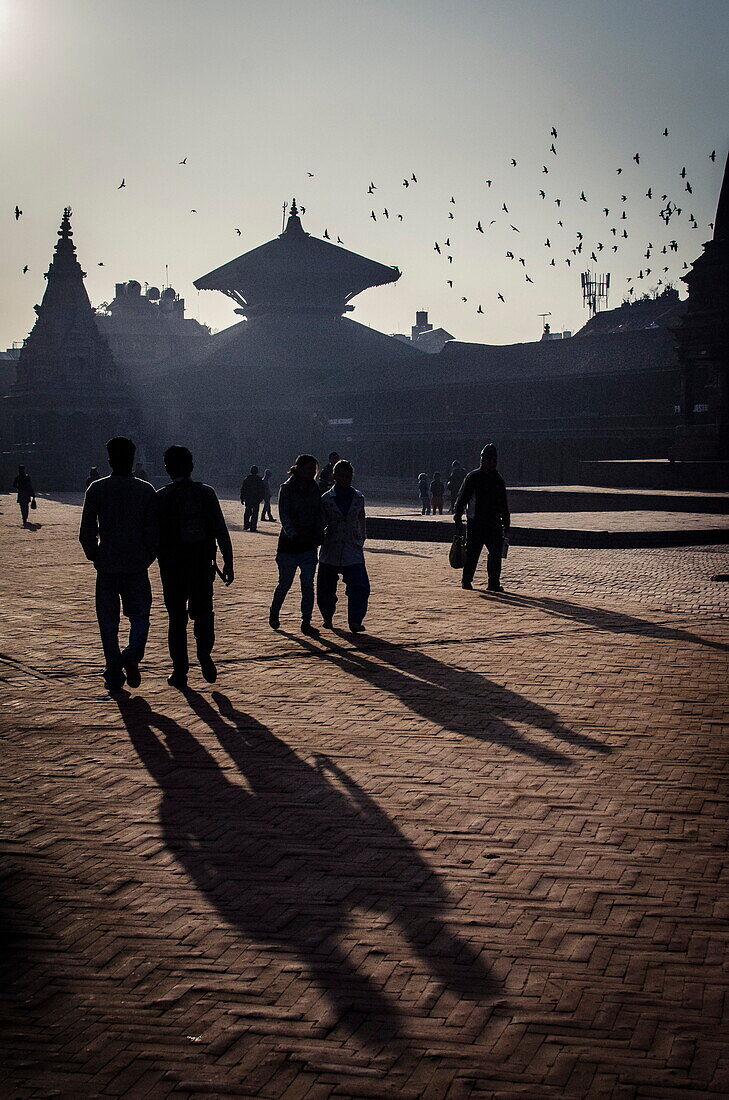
[(424, 494), (192, 528), (437, 490), (267, 514), (302, 529), (342, 552), (23, 486), (483, 494), (325, 479), (94, 475), (455, 480), (252, 493), (119, 533)]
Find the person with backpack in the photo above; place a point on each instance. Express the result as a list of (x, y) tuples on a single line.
[(192, 529)]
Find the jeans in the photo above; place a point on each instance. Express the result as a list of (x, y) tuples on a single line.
[(287, 566), (135, 593), (187, 586), (478, 536), (250, 515), (357, 584)]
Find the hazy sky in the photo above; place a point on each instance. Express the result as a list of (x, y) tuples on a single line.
[(258, 94)]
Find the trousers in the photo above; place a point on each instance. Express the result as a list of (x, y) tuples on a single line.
[(134, 592), (478, 536), (287, 564), (187, 586), (357, 586), (250, 515)]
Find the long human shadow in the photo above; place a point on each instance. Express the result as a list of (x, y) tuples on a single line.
[(616, 622), (457, 699), (287, 857)]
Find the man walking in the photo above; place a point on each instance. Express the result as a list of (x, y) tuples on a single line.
[(23, 486), (252, 493), (118, 534), (483, 494), (342, 552), (191, 528)]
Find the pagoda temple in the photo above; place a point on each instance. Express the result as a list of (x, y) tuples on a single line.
[(69, 396), (297, 276), (703, 346), (255, 386)]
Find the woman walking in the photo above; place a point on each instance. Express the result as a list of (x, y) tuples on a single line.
[(302, 529)]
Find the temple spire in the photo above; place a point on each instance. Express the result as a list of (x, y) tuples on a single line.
[(293, 225), (721, 221)]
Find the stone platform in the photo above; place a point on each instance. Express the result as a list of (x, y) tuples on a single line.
[(481, 852)]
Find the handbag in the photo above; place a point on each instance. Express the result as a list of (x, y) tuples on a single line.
[(457, 553), (33, 504)]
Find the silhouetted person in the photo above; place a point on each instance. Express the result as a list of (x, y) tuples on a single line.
[(342, 552), (252, 493), (325, 479), (119, 533), (94, 475), (437, 490), (483, 494), (192, 527), (23, 486), (424, 494), (267, 514), (302, 529), (455, 480)]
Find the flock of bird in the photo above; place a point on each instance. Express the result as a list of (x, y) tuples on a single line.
[(564, 244)]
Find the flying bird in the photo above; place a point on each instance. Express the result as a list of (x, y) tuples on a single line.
[(25, 269), (122, 184), (545, 170), (515, 229), (237, 231), (464, 299), (450, 283), (18, 212), (605, 210), (513, 163), (436, 248), (547, 243), (558, 202), (479, 227), (689, 188), (193, 211), (649, 193), (371, 189), (582, 196), (450, 215), (712, 155), (452, 199), (568, 261), (488, 183), (665, 132), (683, 172), (500, 296), (552, 149), (100, 263), (183, 161), (529, 280), (406, 183), (510, 255), (326, 236), (400, 217), (310, 175), (479, 310), (448, 242), (618, 170), (373, 215), (542, 194), (554, 132), (450, 259), (386, 213), (505, 208), (636, 158), (339, 240)]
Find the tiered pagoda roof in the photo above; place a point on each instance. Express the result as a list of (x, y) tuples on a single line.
[(297, 274)]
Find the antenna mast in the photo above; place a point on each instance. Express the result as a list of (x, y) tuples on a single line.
[(595, 291)]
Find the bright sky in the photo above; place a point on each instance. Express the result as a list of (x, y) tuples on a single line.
[(257, 94)]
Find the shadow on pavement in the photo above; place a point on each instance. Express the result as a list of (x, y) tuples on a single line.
[(613, 621), (288, 856), (455, 698)]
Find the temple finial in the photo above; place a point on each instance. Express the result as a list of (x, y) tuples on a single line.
[(293, 225), (65, 231)]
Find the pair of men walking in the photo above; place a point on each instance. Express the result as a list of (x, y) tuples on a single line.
[(125, 525), (333, 521)]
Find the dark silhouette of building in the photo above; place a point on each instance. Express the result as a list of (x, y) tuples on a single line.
[(703, 346), (69, 395)]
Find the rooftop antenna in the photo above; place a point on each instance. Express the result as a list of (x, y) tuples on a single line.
[(595, 291), (544, 316), (283, 217), (167, 276)]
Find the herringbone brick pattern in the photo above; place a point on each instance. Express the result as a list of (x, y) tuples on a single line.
[(480, 853)]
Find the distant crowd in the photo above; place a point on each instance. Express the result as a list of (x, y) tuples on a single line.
[(126, 525)]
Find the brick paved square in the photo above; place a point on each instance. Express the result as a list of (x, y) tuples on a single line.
[(479, 852)]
